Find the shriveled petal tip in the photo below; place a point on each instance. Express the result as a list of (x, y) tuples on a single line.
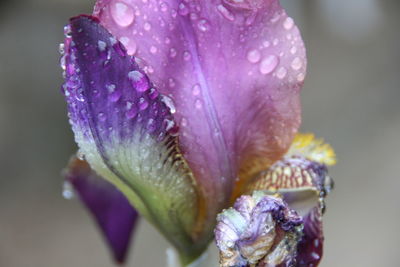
[(259, 230), (301, 178), (109, 207), (234, 70), (125, 129)]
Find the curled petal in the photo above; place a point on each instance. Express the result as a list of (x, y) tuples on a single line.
[(260, 230), (234, 70), (110, 208), (126, 131), (301, 178)]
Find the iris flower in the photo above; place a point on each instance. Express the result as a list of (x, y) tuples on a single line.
[(181, 107)]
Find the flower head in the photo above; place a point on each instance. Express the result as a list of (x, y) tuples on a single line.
[(180, 104)]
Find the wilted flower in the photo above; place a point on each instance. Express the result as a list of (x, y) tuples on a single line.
[(180, 104)]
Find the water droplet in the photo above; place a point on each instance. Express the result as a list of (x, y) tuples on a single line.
[(172, 52), (203, 25), (266, 44), (101, 45), (196, 90), (186, 55), (275, 42), (268, 64), (147, 26), (153, 49), (194, 16), (198, 104), (101, 116), (281, 73), (153, 93), (293, 50), (169, 103), (131, 113), (61, 49), (124, 40), (225, 13), (115, 95), (300, 77), (288, 23), (169, 124), (253, 56), (167, 40), (164, 7), (151, 125), (139, 81), (297, 63), (171, 82), (182, 9), (183, 122), (122, 14), (143, 104), (275, 18), (68, 190), (67, 31), (79, 95)]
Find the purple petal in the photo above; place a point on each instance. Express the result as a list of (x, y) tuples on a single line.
[(110, 208), (310, 248), (126, 131), (234, 70)]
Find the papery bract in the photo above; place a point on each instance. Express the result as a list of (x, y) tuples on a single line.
[(234, 70)]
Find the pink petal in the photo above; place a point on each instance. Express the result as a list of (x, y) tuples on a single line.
[(234, 70)]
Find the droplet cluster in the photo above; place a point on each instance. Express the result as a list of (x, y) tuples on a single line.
[(106, 91)]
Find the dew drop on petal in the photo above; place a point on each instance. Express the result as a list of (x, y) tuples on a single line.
[(182, 9), (143, 104), (266, 44), (153, 93), (164, 7), (101, 45), (124, 40), (268, 64), (131, 113), (300, 77), (297, 63), (101, 116), (169, 103), (225, 12), (203, 25), (196, 90), (172, 52), (147, 26), (253, 56), (281, 73), (293, 50), (186, 55), (68, 191), (198, 104), (122, 14), (153, 49), (288, 23), (171, 82)]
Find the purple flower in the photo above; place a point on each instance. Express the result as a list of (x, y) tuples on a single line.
[(179, 104)]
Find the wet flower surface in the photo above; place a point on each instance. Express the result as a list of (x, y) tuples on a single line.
[(184, 106)]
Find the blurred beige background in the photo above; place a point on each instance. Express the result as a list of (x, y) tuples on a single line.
[(351, 98)]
